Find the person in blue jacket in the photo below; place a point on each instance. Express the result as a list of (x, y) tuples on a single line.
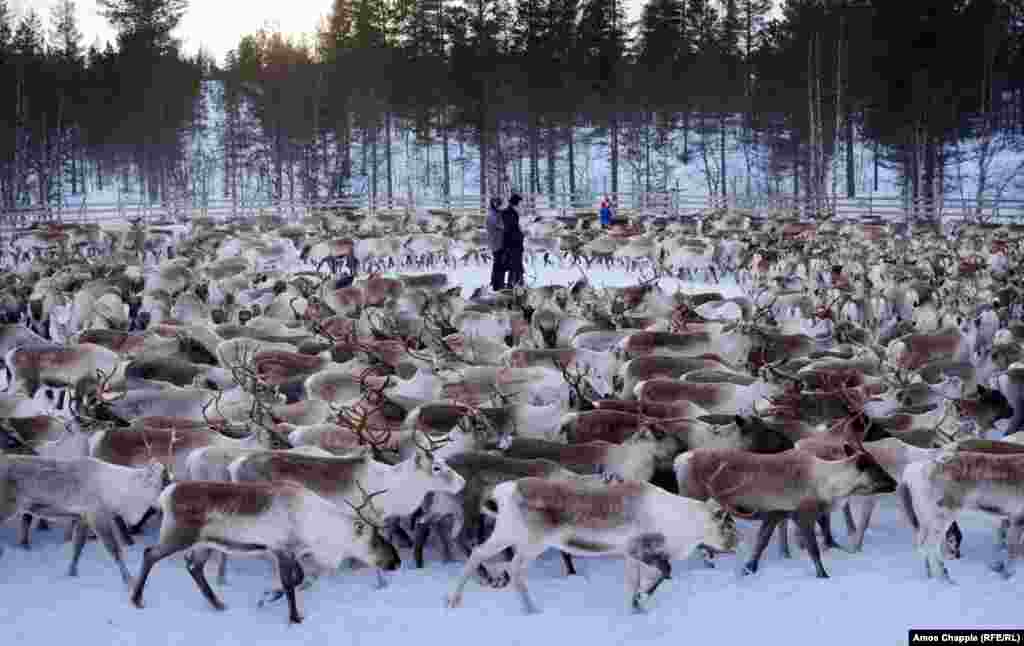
[(606, 213), (512, 242)]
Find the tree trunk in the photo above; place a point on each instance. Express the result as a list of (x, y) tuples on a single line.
[(721, 151), (387, 157), (614, 145), (796, 169), (346, 151), (373, 160), (552, 142), (570, 136), (874, 159), (446, 186), (851, 185), (533, 133), (929, 174), (483, 149)]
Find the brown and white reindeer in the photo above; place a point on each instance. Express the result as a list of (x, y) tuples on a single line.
[(81, 367), (771, 488), (401, 486), (647, 525), (974, 475), (281, 520)]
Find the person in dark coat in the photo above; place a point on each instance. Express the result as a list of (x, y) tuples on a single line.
[(495, 238), (512, 242)]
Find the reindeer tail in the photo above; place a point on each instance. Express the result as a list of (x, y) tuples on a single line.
[(907, 504)]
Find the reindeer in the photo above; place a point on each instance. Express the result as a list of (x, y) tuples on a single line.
[(647, 525), (934, 492), (83, 489), (281, 520), (403, 485), (778, 486)]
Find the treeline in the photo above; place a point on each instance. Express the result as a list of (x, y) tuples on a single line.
[(518, 88)]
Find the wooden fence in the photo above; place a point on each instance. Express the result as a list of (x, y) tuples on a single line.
[(672, 204)]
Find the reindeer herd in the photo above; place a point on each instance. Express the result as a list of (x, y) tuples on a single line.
[(249, 383)]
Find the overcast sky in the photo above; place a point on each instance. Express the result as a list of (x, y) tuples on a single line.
[(218, 25)]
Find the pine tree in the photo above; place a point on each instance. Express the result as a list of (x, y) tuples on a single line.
[(28, 38), (149, 22), (65, 37)]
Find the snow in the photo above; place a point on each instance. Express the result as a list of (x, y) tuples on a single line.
[(872, 598)]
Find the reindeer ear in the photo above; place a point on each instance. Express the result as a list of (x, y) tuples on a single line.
[(848, 450), (359, 527), (740, 421)]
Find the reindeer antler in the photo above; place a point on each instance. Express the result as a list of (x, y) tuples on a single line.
[(720, 496), (366, 503)]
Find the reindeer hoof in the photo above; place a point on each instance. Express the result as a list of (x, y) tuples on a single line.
[(453, 601), (997, 566), (137, 602), (73, 572), (295, 619), (822, 575), (637, 607), (270, 596), (749, 568)]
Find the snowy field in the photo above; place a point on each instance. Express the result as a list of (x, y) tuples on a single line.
[(872, 598)]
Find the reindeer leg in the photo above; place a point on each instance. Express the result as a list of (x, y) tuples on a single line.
[(805, 522), (176, 540), (292, 576), (1013, 537), (195, 563), (633, 594), (122, 528), (222, 570), (784, 539), (764, 536), (398, 532), (447, 536), (422, 533), (25, 531), (103, 524), (81, 532), (851, 526), (137, 528), (825, 522), (570, 568), (867, 506), (476, 560), (524, 556), (1001, 547)]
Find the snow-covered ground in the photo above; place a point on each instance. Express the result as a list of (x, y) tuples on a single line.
[(872, 598)]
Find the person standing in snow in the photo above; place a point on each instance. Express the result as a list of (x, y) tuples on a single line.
[(495, 236), (606, 212), (512, 242)]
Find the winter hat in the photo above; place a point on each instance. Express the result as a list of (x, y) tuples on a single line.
[(515, 199)]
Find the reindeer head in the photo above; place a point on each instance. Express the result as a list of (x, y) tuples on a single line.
[(368, 544), (868, 476), (431, 473)]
